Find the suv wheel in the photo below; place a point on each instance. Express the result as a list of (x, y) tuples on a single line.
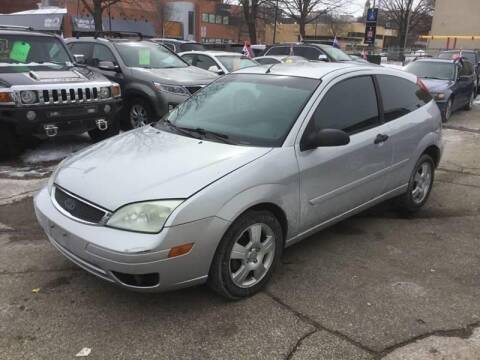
[(247, 255), (448, 111), (138, 114), (419, 186), (10, 144)]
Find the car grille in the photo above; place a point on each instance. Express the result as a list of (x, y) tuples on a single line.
[(78, 208), (69, 95), (193, 89)]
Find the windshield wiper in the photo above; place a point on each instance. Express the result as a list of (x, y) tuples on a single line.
[(218, 136), (181, 130), (433, 78)]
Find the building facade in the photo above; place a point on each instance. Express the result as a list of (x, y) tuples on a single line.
[(456, 24)]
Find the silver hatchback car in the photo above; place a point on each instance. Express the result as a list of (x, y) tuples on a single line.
[(251, 164)]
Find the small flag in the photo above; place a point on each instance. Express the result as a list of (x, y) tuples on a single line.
[(336, 44), (247, 50), (291, 50)]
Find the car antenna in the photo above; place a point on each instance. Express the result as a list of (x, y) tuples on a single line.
[(270, 68)]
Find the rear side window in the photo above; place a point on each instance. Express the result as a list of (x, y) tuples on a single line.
[(350, 105), (400, 96), (307, 52), (279, 50)]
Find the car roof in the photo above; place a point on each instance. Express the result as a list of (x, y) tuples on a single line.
[(458, 51), (175, 40), (213, 53), (438, 60), (279, 57), (102, 39), (26, 32), (313, 70)]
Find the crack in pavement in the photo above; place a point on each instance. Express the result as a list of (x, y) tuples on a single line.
[(458, 171), (317, 327), (455, 183), (461, 128), (12, 273), (299, 342)]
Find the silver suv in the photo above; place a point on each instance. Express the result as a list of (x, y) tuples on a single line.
[(251, 164)]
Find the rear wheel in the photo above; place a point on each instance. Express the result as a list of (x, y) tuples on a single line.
[(419, 186), (247, 255), (10, 143), (138, 113)]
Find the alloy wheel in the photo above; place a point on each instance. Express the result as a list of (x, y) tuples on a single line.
[(252, 255), (448, 110), (138, 116), (422, 182)]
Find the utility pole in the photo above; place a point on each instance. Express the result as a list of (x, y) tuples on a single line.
[(275, 22)]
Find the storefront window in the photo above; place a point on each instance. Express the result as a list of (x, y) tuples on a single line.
[(219, 19), (205, 17), (211, 18), (225, 20)]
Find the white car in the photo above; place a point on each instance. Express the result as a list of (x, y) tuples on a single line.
[(219, 62)]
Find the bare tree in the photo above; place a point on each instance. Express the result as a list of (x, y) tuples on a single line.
[(96, 9), (251, 14), (307, 11), (406, 16)]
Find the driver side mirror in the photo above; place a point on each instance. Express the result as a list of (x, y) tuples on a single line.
[(323, 57), (79, 58), (215, 69), (324, 138), (108, 66)]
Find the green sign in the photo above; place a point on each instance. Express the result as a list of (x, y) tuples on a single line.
[(20, 50), (144, 56)]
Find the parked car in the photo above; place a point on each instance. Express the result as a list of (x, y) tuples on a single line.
[(153, 79), (257, 49), (178, 46), (44, 93), (219, 62), (310, 51), (471, 55), (220, 187), (451, 82), (277, 59)]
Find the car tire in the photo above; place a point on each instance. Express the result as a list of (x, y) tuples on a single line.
[(419, 186), (138, 112), (469, 105), (448, 110), (98, 135), (10, 143), (247, 255)]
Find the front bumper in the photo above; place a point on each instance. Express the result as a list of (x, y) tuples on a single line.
[(107, 252), (68, 118)]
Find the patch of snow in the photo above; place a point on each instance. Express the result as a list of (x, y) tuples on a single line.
[(55, 149)]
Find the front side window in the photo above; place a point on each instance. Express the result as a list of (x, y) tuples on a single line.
[(148, 55), (189, 58), (335, 54), (400, 96), (205, 62), (256, 110), (233, 63), (101, 53), (307, 52), (350, 105), (432, 70), (28, 49), (81, 48)]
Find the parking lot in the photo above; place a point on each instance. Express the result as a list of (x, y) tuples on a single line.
[(377, 285)]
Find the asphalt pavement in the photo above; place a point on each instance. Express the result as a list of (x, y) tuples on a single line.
[(375, 286)]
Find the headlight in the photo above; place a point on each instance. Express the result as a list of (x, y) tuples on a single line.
[(104, 92), (174, 89), (149, 216), (28, 97), (439, 96), (116, 92)]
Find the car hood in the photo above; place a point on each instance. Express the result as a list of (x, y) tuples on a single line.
[(44, 74), (189, 75), (435, 85), (146, 164)]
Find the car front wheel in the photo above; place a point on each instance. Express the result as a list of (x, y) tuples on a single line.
[(138, 113), (419, 186), (448, 111), (247, 255)]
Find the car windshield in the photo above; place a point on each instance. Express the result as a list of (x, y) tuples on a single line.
[(148, 55), (335, 54), (31, 50), (452, 55), (246, 109), (192, 47), (432, 70), (233, 63)]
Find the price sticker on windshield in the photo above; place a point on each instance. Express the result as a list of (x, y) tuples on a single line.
[(144, 56), (20, 50)]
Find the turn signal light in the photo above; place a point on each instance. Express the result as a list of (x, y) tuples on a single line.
[(180, 250), (6, 97), (116, 90)]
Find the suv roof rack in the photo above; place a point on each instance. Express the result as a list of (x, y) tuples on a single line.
[(16, 27), (118, 34)]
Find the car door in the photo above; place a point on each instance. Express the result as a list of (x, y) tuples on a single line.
[(405, 116), (464, 86), (335, 180)]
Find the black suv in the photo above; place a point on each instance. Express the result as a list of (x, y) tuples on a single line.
[(471, 55), (313, 52), (153, 79), (44, 93)]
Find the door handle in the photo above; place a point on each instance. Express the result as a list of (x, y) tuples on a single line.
[(381, 138)]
